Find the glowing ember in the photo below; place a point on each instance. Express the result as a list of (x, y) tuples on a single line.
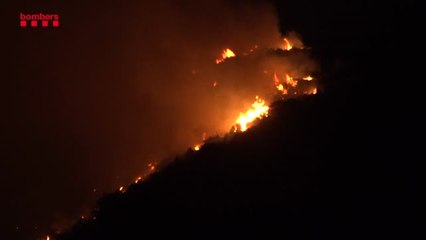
[(138, 179), (214, 84), (258, 111), (287, 45), (121, 189), (47, 237), (314, 91), (227, 53), (308, 78), (197, 147), (151, 167)]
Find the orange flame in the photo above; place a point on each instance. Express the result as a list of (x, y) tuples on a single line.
[(227, 53), (138, 179), (197, 147), (308, 78), (151, 167), (278, 85), (258, 111), (276, 79), (287, 45), (290, 81)]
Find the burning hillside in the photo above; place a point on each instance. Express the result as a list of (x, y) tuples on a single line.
[(186, 91), (270, 74), (276, 80), (103, 102), (149, 93), (275, 74)]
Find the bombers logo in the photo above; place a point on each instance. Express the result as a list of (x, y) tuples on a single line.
[(39, 19)]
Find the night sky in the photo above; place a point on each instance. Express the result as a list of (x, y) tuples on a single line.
[(119, 85)]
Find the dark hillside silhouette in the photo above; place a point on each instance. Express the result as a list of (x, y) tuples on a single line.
[(305, 172)]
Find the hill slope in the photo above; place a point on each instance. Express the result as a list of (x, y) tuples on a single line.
[(316, 168)]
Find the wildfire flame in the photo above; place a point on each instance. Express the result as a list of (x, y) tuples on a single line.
[(151, 167), (258, 111), (227, 53), (308, 78), (290, 81), (197, 147), (276, 79), (287, 45), (138, 179)]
